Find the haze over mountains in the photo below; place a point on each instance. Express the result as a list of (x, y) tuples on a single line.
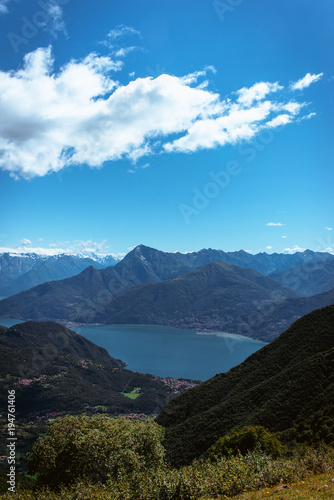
[(208, 290), (20, 272)]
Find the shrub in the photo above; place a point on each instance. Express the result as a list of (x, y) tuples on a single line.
[(95, 448), (245, 439)]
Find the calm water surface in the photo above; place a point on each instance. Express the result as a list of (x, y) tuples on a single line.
[(171, 352), (168, 352)]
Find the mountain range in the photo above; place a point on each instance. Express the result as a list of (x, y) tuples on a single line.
[(287, 386), (206, 290), (20, 272), (211, 297)]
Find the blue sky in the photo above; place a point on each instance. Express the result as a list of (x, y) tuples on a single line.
[(177, 124)]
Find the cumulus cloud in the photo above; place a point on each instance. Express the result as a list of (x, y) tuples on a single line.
[(55, 18), (306, 81), (85, 246), (295, 249), (274, 224), (82, 116), (257, 92), (25, 242), (329, 228), (269, 247), (328, 250), (279, 120)]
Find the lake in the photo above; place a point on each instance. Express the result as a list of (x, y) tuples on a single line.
[(169, 352)]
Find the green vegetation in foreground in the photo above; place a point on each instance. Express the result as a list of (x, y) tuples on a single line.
[(315, 487), (131, 467)]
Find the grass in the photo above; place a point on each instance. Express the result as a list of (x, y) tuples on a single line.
[(133, 394), (315, 487), (130, 395)]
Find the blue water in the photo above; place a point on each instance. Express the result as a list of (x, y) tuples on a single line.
[(169, 352), (10, 322)]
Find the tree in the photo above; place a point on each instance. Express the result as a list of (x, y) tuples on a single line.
[(247, 438), (95, 448)]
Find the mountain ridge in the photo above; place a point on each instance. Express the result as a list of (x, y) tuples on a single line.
[(212, 297), (281, 386), (55, 369)]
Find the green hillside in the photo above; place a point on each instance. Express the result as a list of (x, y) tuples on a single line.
[(54, 369), (281, 387), (216, 297)]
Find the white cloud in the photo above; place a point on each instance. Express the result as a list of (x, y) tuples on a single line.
[(138, 167), (284, 237), (124, 51), (295, 249), (55, 18), (88, 246), (268, 247), (66, 247), (25, 242), (117, 36), (329, 228), (52, 13), (257, 92), (274, 224), (122, 30), (328, 250), (306, 81), (307, 117), (292, 107), (81, 115), (25, 250), (279, 120)]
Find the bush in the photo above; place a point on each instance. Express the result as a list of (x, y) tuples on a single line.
[(245, 439), (225, 477), (95, 448)]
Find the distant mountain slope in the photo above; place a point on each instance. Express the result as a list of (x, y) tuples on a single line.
[(262, 262), (54, 268), (75, 299), (272, 320), (308, 278), (12, 266), (280, 386), (213, 297), (84, 297), (19, 272), (53, 368)]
